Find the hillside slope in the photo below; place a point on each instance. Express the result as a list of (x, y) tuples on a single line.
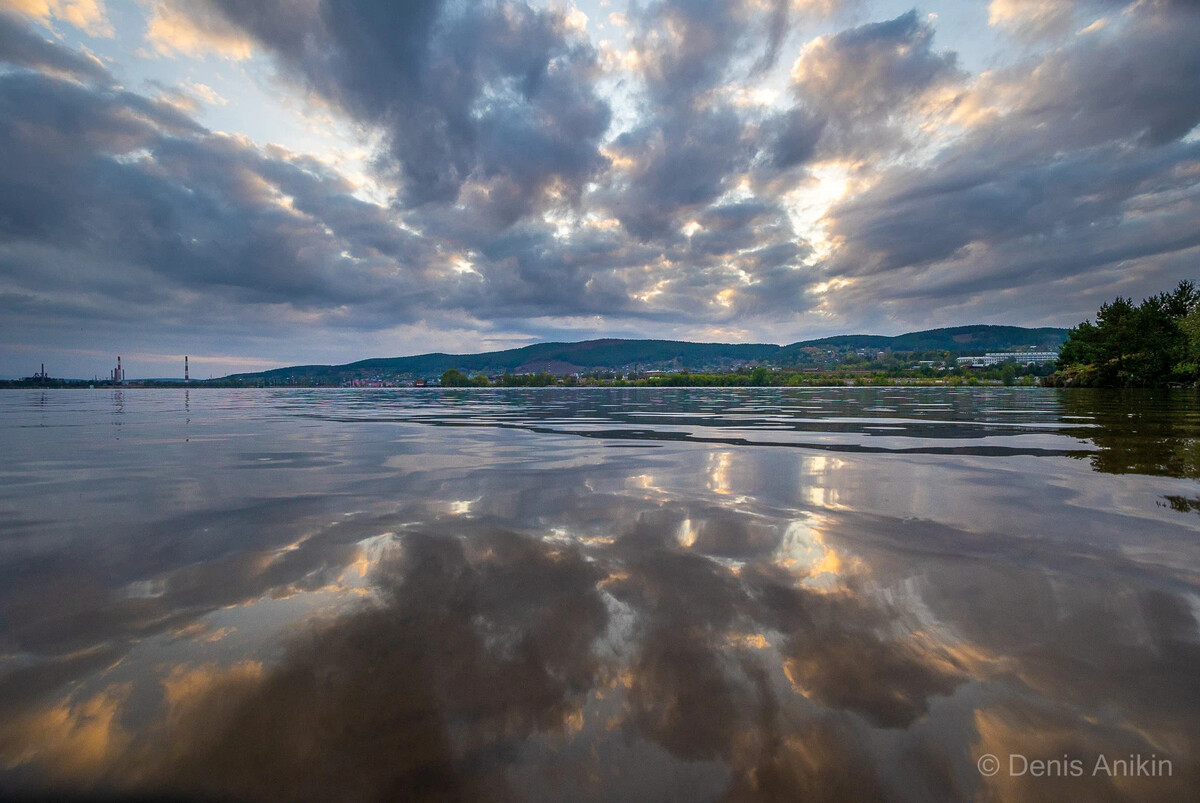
[(978, 338), (642, 355)]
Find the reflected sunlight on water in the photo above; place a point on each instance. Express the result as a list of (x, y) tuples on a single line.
[(810, 594)]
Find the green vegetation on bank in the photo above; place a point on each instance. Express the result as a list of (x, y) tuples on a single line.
[(1007, 373), (927, 357), (640, 356), (1152, 344), (891, 369)]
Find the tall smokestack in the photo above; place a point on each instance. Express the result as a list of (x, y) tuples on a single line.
[(185, 368)]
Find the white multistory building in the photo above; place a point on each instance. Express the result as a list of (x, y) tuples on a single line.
[(1020, 357)]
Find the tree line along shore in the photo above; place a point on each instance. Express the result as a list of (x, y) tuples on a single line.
[(1152, 344)]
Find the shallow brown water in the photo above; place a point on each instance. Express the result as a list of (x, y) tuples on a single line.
[(601, 594)]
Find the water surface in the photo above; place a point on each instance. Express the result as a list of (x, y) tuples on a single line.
[(633, 594)]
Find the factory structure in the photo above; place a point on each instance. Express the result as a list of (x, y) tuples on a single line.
[(115, 378), (117, 375)]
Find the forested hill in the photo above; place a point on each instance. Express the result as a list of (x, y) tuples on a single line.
[(560, 358), (643, 355), (966, 339)]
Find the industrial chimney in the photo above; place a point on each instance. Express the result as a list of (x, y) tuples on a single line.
[(185, 368)]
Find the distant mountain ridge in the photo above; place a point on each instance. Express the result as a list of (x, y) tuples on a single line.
[(979, 337), (612, 354)]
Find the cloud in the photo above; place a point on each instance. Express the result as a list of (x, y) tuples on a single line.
[(20, 46), (129, 199), (492, 126), (1138, 80), (677, 166), (491, 105), (793, 137), (1035, 17), (686, 48), (1080, 167), (680, 183), (120, 209), (865, 81), (723, 177), (176, 28), (1045, 19), (90, 16)]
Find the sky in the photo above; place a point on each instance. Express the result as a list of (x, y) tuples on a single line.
[(258, 183)]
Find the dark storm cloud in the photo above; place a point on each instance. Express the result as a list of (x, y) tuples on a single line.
[(686, 48), (1143, 84), (1086, 195), (496, 98), (681, 163), (525, 271), (491, 116), (792, 137), (128, 181), (728, 229), (129, 199), (1071, 165), (864, 81), (126, 200), (693, 145)]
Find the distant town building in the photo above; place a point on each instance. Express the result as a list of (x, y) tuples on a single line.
[(997, 357)]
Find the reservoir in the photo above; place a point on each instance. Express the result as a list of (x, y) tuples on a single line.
[(601, 594)]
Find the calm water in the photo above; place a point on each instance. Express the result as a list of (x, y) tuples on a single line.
[(610, 594)]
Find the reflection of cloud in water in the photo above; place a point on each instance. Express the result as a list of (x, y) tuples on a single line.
[(802, 550), (753, 623), (686, 535), (417, 698), (718, 471), (75, 737), (489, 647)]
